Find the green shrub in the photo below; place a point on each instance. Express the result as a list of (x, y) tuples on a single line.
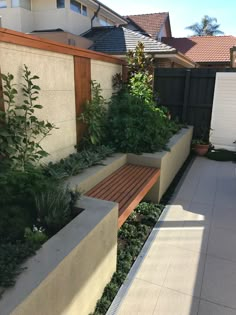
[(13, 221), (35, 235), (93, 116), (140, 85), (12, 255), (136, 127), (55, 207)]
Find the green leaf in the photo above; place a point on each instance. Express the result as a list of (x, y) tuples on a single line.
[(42, 153), (38, 106)]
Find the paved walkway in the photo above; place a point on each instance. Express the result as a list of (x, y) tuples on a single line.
[(190, 267)]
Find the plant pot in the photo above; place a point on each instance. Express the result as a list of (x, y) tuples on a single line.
[(201, 149)]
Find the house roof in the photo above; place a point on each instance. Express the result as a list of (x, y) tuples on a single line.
[(204, 48), (118, 40), (151, 23)]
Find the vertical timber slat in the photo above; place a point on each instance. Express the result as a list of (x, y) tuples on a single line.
[(186, 94), (82, 68)]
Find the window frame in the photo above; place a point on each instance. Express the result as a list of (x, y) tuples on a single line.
[(76, 4), (24, 4), (3, 6), (84, 10), (60, 6)]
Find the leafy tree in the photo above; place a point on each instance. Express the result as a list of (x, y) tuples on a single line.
[(207, 27)]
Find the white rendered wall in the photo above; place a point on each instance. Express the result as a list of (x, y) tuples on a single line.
[(223, 121), (57, 95)]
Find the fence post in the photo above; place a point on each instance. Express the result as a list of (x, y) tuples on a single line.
[(186, 94), (82, 68), (1, 94)]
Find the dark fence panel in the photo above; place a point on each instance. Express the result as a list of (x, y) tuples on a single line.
[(188, 94)]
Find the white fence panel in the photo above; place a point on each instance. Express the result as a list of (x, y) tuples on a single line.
[(223, 121)]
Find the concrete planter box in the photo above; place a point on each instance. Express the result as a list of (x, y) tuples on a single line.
[(68, 274), (93, 175), (168, 161)]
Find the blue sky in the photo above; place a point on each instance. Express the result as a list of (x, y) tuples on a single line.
[(182, 12)]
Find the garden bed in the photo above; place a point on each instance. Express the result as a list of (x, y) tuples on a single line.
[(71, 269)]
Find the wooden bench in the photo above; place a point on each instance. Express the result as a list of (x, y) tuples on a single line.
[(127, 186)]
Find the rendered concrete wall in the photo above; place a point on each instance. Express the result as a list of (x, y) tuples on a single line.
[(93, 175), (103, 72), (44, 15), (64, 38), (68, 274), (223, 119), (57, 95), (11, 18), (168, 161)]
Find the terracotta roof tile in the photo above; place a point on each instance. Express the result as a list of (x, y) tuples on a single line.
[(150, 23), (204, 48)]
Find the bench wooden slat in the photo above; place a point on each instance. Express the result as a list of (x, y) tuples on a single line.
[(108, 180), (136, 187), (127, 181), (131, 186), (114, 183), (128, 185)]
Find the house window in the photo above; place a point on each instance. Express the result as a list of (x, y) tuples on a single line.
[(3, 4), (104, 22), (25, 4), (75, 6), (84, 10), (60, 4)]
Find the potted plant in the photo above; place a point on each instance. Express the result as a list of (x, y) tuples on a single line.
[(202, 144)]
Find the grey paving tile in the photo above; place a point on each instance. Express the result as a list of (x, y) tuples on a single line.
[(224, 216), (222, 243), (207, 308), (194, 238), (156, 263), (198, 211), (206, 190), (185, 272), (141, 299), (175, 303), (219, 282)]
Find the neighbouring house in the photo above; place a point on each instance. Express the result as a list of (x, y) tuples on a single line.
[(233, 57), (50, 18), (206, 51), (119, 40), (154, 25)]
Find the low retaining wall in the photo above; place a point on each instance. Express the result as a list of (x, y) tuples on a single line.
[(68, 274), (93, 175), (168, 161)]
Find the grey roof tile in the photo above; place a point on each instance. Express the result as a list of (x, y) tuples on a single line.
[(118, 40)]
